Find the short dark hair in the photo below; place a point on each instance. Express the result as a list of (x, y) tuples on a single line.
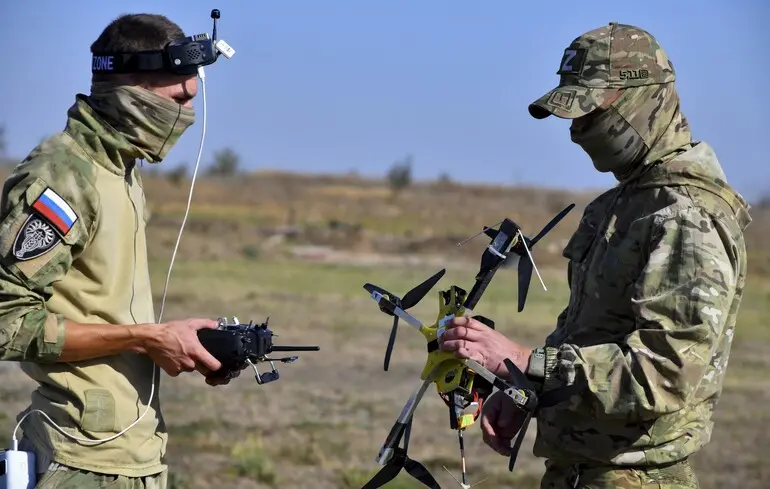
[(133, 33)]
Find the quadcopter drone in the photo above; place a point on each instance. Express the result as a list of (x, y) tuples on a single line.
[(462, 384)]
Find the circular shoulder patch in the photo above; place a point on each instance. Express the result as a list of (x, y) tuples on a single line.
[(36, 237)]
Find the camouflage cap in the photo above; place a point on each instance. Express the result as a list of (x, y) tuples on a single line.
[(599, 62)]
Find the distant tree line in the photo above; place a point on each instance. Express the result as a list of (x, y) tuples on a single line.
[(225, 163), (400, 174)]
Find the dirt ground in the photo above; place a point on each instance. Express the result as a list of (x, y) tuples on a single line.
[(321, 424), (299, 251)]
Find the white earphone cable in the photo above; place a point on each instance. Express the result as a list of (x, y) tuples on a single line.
[(156, 369)]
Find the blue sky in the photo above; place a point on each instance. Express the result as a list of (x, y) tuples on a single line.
[(335, 85)]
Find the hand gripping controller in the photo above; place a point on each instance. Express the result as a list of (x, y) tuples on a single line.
[(236, 345)]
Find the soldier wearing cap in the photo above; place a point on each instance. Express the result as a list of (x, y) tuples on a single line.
[(656, 272)]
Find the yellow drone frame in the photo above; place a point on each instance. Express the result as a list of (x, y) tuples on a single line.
[(454, 376)]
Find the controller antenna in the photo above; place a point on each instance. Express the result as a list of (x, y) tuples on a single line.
[(215, 15)]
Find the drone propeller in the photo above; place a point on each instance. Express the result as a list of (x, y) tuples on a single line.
[(491, 232), (411, 299), (525, 276), (391, 344), (526, 263), (551, 225), (401, 460), (517, 378), (415, 295)]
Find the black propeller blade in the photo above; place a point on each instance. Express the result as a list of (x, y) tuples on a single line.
[(391, 343), (550, 225), (516, 378), (385, 475), (400, 461), (525, 263), (372, 288), (416, 294), (411, 299), (492, 233), (525, 276)]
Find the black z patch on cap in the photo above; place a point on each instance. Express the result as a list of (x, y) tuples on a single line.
[(35, 238), (572, 61)]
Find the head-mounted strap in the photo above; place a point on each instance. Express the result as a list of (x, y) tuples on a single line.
[(128, 62)]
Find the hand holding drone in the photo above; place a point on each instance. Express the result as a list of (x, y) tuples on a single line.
[(235, 345), (462, 384)]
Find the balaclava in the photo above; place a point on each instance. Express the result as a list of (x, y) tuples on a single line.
[(152, 123), (643, 125)]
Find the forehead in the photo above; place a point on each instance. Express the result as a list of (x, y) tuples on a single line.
[(157, 80)]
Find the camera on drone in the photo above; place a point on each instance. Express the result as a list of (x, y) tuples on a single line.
[(236, 345)]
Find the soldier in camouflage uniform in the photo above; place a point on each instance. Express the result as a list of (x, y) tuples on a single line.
[(76, 308), (656, 271)]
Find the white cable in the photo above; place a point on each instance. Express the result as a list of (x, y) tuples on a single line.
[(155, 371), (202, 76)]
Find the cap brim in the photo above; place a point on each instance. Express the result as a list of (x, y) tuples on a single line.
[(569, 102)]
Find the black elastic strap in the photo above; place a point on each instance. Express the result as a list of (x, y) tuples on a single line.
[(556, 396), (127, 62)]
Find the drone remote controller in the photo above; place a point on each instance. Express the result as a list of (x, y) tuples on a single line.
[(236, 345)]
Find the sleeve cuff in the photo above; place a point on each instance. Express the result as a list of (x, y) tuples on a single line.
[(53, 338), (40, 337), (36, 337), (550, 377)]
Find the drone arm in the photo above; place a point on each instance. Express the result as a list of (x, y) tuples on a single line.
[(401, 424), (383, 302), (522, 395), (413, 321), (482, 281), (484, 373)]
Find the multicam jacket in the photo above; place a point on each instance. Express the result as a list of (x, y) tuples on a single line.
[(657, 269)]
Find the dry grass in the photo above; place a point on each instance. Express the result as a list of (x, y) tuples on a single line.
[(321, 425)]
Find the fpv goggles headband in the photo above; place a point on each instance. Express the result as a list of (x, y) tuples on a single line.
[(181, 57)]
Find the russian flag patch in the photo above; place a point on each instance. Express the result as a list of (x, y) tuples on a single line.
[(51, 206)]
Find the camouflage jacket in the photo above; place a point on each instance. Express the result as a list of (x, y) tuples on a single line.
[(72, 247), (656, 272)]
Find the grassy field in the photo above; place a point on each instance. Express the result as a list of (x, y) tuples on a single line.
[(321, 425)]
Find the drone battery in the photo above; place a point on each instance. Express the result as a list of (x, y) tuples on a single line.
[(17, 470)]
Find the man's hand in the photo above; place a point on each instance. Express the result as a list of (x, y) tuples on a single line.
[(216, 381), (469, 338), (175, 347), (501, 420)]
